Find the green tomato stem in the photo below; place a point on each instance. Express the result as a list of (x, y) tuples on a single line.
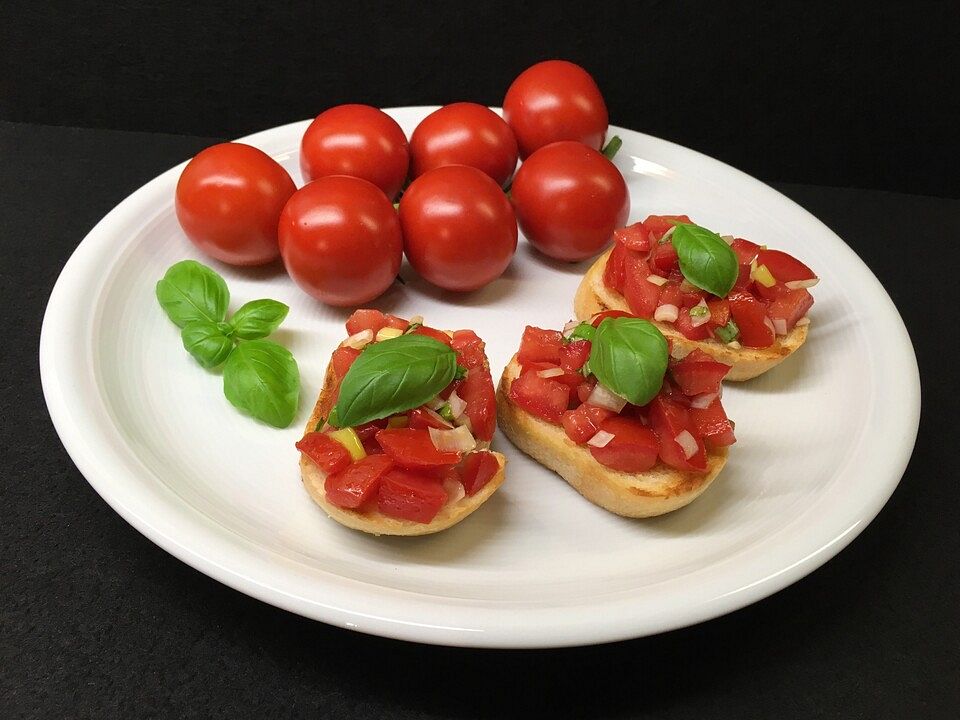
[(611, 149)]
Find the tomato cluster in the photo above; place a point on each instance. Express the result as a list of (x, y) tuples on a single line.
[(341, 237)]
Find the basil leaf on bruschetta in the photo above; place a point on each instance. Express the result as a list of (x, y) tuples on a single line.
[(706, 261), (191, 291), (629, 356)]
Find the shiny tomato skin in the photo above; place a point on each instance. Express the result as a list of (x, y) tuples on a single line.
[(663, 259), (614, 269), (790, 307), (357, 485), (478, 469), (407, 495), (356, 140), (329, 455), (574, 354), (555, 100), (712, 425), (459, 229), (422, 418), (228, 201), (668, 419), (477, 392), (699, 377), (342, 359), (464, 133), (633, 237), (340, 240), (784, 267), (546, 399), (642, 296), (569, 199), (750, 316), (582, 424), (538, 345), (657, 225), (634, 447), (413, 448), (745, 250)]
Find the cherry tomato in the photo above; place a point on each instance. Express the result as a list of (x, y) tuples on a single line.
[(555, 100), (464, 134), (356, 140), (569, 199), (340, 240), (228, 202), (459, 230)]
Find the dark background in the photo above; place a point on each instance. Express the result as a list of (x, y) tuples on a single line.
[(846, 94)]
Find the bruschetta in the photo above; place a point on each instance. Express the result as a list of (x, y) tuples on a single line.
[(398, 442), (641, 457), (759, 320)]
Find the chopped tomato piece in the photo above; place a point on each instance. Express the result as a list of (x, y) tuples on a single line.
[(357, 484), (582, 424), (469, 347), (713, 425), (691, 297), (329, 455), (784, 267), (477, 392), (790, 307), (539, 345), (744, 281), (342, 359), (663, 259), (545, 398), (769, 293), (684, 324), (745, 250), (601, 316), (370, 429), (642, 296), (423, 417), (696, 377), (573, 355), (634, 447), (719, 312), (410, 496), (478, 468), (413, 448), (397, 323), (371, 446), (633, 237), (573, 379), (657, 225), (433, 333), (750, 315), (366, 319), (670, 295), (585, 388), (613, 270), (668, 419)]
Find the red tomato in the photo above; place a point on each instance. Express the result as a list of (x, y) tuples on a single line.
[(750, 315), (469, 347), (478, 468), (422, 418), (477, 392), (569, 199), (663, 259), (719, 312), (745, 250), (539, 345), (670, 295), (574, 354), (459, 230), (410, 496), (696, 377), (329, 455), (228, 201), (744, 281), (582, 424), (585, 388), (633, 237), (657, 225), (340, 240), (601, 316), (413, 448), (713, 426), (356, 140), (539, 396), (342, 359), (684, 324), (555, 100), (785, 268), (668, 419), (633, 449), (366, 319), (358, 484), (769, 293), (430, 332), (790, 307), (613, 271), (642, 296), (573, 379), (464, 133)]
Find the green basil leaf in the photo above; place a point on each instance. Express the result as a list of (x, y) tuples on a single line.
[(705, 259), (583, 331), (206, 342), (258, 318), (629, 356), (391, 376), (261, 378), (191, 291)]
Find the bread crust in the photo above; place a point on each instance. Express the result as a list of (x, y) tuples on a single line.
[(594, 296), (374, 522), (659, 490)]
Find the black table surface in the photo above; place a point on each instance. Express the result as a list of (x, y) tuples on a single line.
[(96, 621)]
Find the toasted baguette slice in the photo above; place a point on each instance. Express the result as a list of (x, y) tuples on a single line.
[(374, 522), (654, 492), (746, 363)]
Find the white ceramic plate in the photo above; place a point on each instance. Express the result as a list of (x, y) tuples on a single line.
[(823, 439)]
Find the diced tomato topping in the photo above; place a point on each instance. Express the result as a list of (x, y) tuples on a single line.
[(719, 312), (713, 425), (790, 307), (745, 250), (342, 359), (371, 446), (370, 429), (573, 355), (357, 484), (670, 295), (744, 281), (573, 379), (691, 297), (613, 270), (329, 455), (397, 323), (410, 496), (538, 345), (634, 237), (784, 267), (663, 259), (585, 388), (582, 424), (423, 417), (749, 314), (469, 347), (433, 333), (477, 470), (413, 448), (642, 296), (684, 324), (769, 293), (695, 377), (366, 319), (668, 419), (634, 447), (477, 392), (657, 225), (601, 316), (545, 398)]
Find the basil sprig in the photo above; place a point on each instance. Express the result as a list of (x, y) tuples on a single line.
[(629, 356), (705, 259), (583, 331), (391, 376), (260, 377)]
